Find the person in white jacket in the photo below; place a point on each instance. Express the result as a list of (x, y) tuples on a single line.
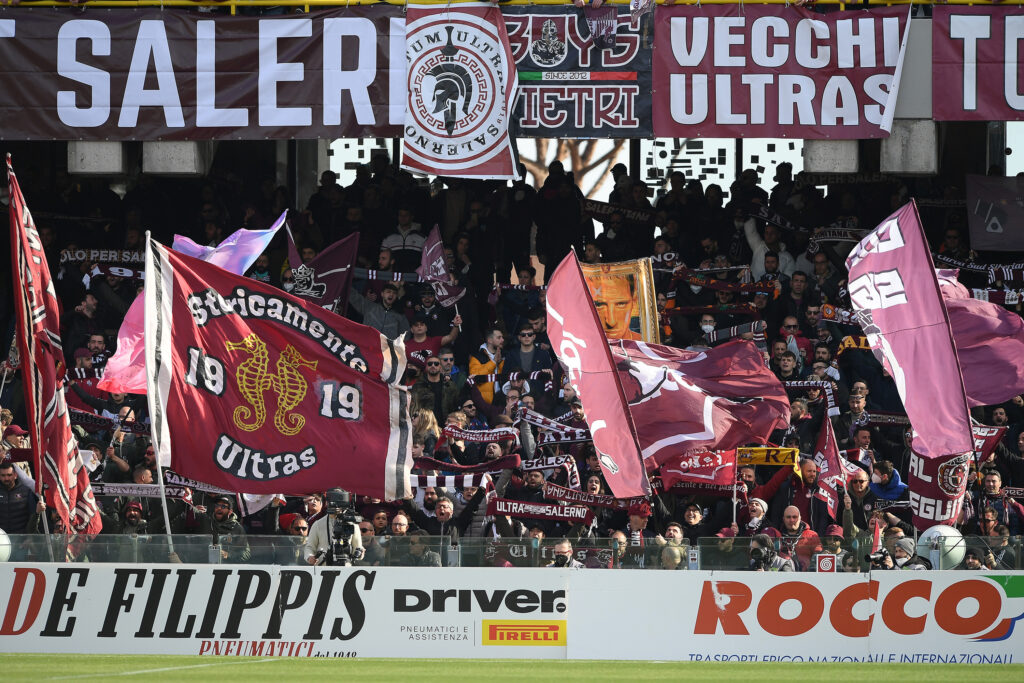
[(319, 541), (760, 246)]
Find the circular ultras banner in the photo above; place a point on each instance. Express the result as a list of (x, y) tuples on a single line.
[(458, 79)]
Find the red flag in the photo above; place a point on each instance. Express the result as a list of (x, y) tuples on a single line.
[(683, 400), (434, 270), (701, 472), (255, 390), (833, 469), (54, 450), (579, 342), (896, 297), (326, 279)]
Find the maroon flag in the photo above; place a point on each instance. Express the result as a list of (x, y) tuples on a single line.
[(896, 298), (578, 340), (706, 468), (326, 279), (434, 270), (54, 450), (985, 441), (258, 391), (833, 469), (989, 343), (683, 400), (937, 487)]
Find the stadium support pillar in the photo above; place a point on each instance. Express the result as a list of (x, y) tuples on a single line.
[(96, 158), (912, 147), (831, 156), (178, 158)]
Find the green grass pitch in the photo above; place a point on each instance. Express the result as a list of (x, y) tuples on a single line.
[(33, 667)]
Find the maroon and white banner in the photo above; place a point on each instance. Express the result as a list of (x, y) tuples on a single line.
[(462, 81), (575, 514), (481, 436), (256, 390), (976, 67), (937, 487), (774, 71), (717, 468), (895, 294), (155, 74), (565, 495), (578, 340)]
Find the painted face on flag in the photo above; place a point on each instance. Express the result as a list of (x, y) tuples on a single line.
[(614, 299)]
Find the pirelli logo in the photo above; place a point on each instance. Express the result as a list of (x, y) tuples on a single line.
[(523, 632)]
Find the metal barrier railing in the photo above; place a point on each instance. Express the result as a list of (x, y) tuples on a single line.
[(708, 553)]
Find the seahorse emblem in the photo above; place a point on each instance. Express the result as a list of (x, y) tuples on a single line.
[(253, 379)]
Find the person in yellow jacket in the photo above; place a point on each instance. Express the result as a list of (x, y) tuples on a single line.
[(487, 360)]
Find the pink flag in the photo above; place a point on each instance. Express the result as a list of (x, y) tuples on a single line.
[(989, 343), (682, 400), (434, 270), (579, 342), (125, 372), (896, 298)]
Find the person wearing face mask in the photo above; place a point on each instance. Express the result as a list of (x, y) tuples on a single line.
[(287, 280), (905, 556), (707, 326), (885, 482)]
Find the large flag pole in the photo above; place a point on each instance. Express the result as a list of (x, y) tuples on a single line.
[(152, 291)]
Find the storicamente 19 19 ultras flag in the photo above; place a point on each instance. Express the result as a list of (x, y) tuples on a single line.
[(258, 391)]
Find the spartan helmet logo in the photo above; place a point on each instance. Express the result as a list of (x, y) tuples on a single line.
[(548, 30), (452, 84)]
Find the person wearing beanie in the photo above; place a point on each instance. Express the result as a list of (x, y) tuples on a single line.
[(905, 555)]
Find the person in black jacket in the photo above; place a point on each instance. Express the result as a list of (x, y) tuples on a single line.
[(18, 502), (444, 522), (115, 403)]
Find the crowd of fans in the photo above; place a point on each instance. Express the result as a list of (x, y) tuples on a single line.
[(498, 232)]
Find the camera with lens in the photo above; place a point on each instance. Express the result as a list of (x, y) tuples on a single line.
[(345, 524), (759, 557), (877, 557)]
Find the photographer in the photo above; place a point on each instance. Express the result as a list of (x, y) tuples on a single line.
[(903, 556), (763, 557), (335, 539)]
